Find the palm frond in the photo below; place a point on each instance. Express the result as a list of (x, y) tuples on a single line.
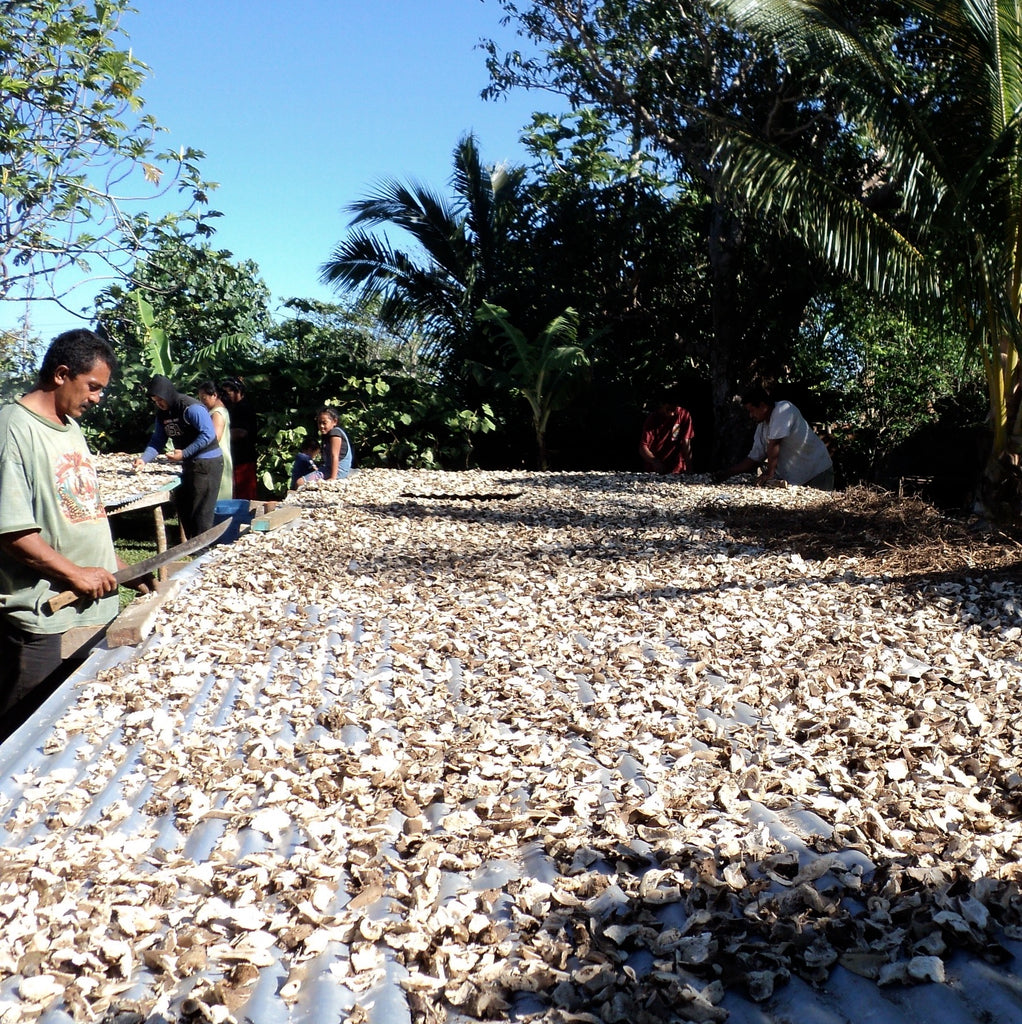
[(836, 226)]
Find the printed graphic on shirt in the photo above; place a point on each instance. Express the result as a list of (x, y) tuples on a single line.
[(78, 488)]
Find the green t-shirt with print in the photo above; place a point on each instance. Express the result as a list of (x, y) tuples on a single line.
[(48, 482)]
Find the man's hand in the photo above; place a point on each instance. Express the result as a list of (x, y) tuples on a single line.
[(174, 455), (92, 581), (29, 548)]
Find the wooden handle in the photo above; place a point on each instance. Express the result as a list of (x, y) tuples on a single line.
[(61, 600)]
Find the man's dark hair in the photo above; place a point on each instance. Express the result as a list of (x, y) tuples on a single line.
[(757, 395), (79, 350)]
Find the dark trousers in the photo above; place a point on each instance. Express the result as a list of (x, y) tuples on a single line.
[(30, 670), (196, 496)]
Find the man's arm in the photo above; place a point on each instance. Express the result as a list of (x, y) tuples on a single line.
[(773, 454), (747, 465), (29, 548), (649, 458)]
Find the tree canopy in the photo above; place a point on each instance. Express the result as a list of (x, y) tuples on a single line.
[(947, 144), (78, 155), (458, 259)]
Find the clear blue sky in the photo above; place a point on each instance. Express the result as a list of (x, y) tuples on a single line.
[(301, 107)]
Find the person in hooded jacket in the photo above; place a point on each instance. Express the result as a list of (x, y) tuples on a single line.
[(187, 424)]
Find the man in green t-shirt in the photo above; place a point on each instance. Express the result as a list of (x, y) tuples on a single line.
[(54, 533)]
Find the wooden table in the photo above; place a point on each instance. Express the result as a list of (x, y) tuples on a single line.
[(113, 476), (154, 500)]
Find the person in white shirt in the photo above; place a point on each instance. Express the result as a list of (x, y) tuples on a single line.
[(792, 451)]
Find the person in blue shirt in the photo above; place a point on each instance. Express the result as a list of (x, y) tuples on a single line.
[(304, 470), (186, 423)]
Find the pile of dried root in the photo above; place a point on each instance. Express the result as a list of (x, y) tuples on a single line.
[(576, 747)]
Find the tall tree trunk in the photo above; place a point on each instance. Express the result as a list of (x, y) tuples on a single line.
[(725, 249), (1000, 488)]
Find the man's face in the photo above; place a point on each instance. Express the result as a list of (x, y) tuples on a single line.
[(758, 413), (75, 394), (161, 403)]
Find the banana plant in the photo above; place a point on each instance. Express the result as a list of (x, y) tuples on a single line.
[(155, 343)]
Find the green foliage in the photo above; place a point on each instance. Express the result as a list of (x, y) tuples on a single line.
[(460, 258), (192, 314), (71, 131), (880, 375), (155, 343), (932, 93), (18, 350), (544, 371), (197, 295)]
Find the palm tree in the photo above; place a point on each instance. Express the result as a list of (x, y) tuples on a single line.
[(460, 257), (934, 97), (544, 371)]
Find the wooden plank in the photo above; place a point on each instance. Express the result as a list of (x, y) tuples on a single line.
[(136, 622), (275, 519), (79, 639)]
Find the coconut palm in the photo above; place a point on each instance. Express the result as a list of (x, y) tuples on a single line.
[(933, 95), (459, 257), (545, 371)]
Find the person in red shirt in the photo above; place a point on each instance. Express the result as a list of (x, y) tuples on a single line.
[(665, 445)]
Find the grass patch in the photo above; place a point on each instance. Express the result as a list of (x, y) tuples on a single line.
[(134, 536)]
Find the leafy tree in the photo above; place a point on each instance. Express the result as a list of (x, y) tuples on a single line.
[(76, 151), (612, 239), (353, 329), (18, 357), (543, 371), (198, 295), (193, 313), (948, 167), (879, 375), (461, 256), (662, 75)]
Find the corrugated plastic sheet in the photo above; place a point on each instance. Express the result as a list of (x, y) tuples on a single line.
[(110, 773)]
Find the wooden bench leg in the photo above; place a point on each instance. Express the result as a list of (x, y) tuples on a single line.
[(161, 537)]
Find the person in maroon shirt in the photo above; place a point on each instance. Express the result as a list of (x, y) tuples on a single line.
[(665, 445)]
